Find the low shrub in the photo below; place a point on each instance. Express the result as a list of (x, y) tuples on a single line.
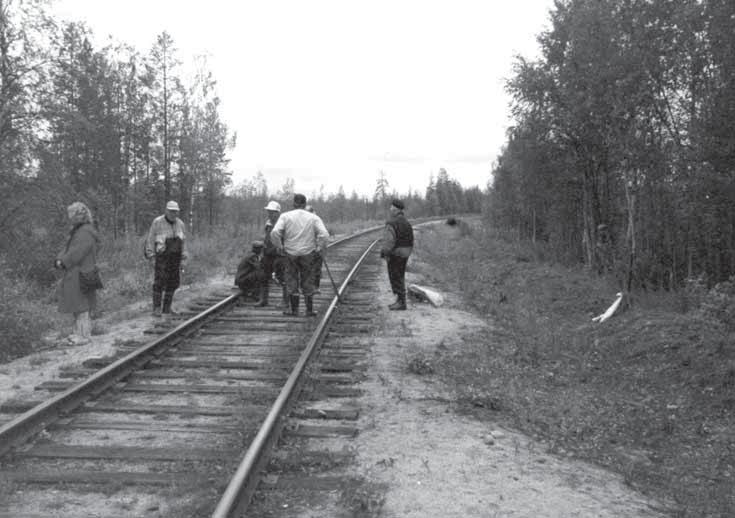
[(25, 316), (27, 301), (718, 304), (648, 393)]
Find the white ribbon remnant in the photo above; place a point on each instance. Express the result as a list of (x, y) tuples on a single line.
[(612, 309)]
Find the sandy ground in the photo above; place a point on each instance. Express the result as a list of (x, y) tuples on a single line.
[(433, 461), (437, 463), (19, 377)]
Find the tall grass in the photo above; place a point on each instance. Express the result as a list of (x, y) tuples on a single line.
[(648, 393), (28, 309)]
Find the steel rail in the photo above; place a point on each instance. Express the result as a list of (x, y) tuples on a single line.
[(235, 497), (37, 418)]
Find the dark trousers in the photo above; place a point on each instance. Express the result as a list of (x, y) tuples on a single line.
[(300, 274), (318, 262), (166, 278), (250, 284), (397, 274), (274, 264)]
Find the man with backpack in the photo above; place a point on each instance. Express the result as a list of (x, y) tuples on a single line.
[(396, 247)]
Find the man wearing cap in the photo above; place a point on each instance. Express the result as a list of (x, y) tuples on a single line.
[(301, 235), (166, 244), (272, 259), (250, 275), (397, 245)]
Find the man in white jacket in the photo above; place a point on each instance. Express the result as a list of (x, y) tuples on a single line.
[(303, 237)]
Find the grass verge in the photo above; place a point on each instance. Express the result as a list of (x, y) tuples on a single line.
[(649, 393), (28, 311)]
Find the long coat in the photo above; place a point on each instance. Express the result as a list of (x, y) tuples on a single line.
[(80, 255)]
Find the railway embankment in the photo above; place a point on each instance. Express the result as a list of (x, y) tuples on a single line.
[(506, 399)]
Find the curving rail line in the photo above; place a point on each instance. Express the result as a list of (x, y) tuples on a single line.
[(242, 485), (215, 328)]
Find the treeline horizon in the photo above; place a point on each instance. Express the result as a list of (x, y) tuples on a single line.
[(623, 141), (123, 131)]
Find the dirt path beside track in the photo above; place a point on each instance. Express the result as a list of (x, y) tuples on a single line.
[(428, 458), (437, 462)]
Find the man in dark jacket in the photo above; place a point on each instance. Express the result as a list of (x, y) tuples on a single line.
[(396, 247), (250, 275)]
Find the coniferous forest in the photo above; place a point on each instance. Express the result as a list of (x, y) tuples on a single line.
[(620, 156), (122, 130)]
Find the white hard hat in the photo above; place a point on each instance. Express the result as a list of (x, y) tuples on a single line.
[(273, 205), (172, 205)]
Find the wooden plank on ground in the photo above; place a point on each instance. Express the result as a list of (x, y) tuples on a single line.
[(199, 389), (167, 409), (308, 460), (326, 391), (312, 430), (324, 483), (349, 414), (242, 375), (188, 479), (63, 451), (148, 426), (269, 363)]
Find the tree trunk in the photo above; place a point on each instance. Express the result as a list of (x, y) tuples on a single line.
[(631, 236)]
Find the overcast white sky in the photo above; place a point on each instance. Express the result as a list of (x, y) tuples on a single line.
[(329, 92)]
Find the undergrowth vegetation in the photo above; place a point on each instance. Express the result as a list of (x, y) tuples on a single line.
[(28, 311), (649, 393)]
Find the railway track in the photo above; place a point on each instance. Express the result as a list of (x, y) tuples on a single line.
[(160, 430)]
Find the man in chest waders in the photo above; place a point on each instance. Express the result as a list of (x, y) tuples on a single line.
[(273, 260), (301, 236), (165, 244)]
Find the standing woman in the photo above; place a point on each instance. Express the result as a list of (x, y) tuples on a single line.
[(76, 291)]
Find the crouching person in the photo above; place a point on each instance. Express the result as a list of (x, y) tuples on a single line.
[(250, 276)]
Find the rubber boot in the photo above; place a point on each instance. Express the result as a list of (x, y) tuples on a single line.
[(168, 298), (157, 303), (263, 295), (82, 327), (292, 307), (399, 304), (310, 306)]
